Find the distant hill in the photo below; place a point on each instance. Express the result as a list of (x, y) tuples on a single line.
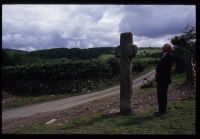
[(12, 52), (15, 57), (12, 57), (72, 53)]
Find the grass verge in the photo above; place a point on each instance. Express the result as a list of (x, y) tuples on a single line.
[(178, 80), (180, 119)]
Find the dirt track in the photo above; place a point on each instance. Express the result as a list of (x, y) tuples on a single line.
[(67, 103), (106, 101)]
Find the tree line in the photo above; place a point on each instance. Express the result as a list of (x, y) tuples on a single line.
[(185, 52)]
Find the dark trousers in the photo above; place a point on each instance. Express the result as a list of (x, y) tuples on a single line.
[(162, 96)]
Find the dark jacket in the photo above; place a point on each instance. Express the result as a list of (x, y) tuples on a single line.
[(163, 69)]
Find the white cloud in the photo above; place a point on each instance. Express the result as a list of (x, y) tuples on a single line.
[(34, 27), (27, 48), (152, 42)]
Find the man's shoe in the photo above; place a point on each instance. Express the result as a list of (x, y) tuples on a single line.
[(163, 112), (158, 114)]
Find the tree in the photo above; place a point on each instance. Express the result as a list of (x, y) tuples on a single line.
[(184, 51)]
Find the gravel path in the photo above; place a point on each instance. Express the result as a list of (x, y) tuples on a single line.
[(142, 98), (67, 103)]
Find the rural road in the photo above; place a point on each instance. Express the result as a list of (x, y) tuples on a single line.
[(66, 103)]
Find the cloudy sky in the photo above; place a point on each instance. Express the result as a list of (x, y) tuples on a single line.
[(34, 27)]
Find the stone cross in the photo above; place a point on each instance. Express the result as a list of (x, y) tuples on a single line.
[(126, 51)]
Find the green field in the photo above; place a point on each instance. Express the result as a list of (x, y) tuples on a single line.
[(139, 51), (148, 50), (105, 57)]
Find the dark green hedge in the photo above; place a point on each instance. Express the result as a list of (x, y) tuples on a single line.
[(55, 77), (90, 69), (63, 76)]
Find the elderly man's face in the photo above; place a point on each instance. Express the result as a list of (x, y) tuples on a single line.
[(164, 49)]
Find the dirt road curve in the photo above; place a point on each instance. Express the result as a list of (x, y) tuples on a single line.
[(68, 102)]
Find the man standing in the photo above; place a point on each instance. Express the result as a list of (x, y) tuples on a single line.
[(163, 78)]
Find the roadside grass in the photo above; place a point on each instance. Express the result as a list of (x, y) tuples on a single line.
[(180, 119), (178, 80), (18, 101)]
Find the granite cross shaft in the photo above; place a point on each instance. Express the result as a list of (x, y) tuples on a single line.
[(126, 51)]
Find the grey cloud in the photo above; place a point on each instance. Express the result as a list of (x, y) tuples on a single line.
[(80, 26), (39, 41), (157, 21)]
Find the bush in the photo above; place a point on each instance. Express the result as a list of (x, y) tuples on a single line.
[(53, 77), (61, 76), (139, 66)]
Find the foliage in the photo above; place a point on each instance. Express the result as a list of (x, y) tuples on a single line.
[(11, 57), (40, 77), (48, 71), (184, 51), (141, 63), (11, 101), (63, 75)]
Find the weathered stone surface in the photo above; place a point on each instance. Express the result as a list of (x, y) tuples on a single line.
[(51, 121), (126, 51)]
